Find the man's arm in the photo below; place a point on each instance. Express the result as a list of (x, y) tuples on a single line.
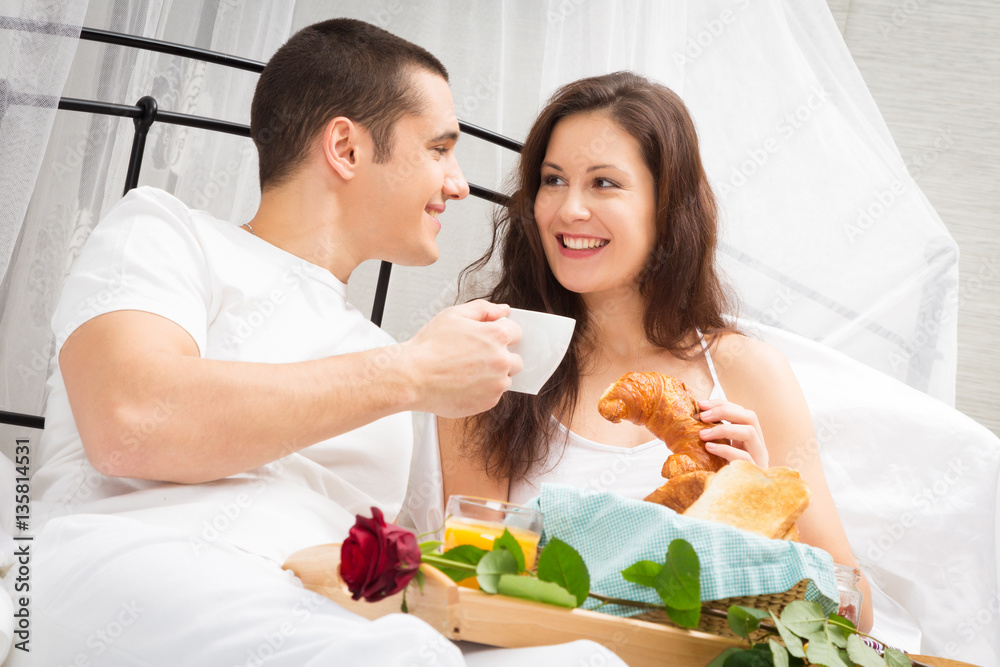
[(147, 406)]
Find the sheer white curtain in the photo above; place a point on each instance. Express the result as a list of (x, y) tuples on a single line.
[(33, 70), (839, 244), (825, 234), (86, 156)]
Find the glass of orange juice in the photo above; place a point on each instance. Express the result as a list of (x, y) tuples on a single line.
[(480, 521)]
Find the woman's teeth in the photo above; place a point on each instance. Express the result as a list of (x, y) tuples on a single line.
[(581, 243)]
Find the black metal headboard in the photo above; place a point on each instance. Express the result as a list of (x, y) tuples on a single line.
[(145, 112)]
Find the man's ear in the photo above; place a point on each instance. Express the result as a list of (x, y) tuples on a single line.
[(341, 148)]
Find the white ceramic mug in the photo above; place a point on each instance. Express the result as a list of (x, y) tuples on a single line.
[(544, 341)]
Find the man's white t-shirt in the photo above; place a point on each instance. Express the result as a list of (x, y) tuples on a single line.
[(241, 299)]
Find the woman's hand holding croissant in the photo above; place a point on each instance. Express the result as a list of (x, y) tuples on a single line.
[(743, 432)]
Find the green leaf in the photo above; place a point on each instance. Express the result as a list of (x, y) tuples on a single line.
[(428, 547), (530, 588), (720, 659), (821, 651), (751, 657), (744, 620), (844, 624), (831, 634), (803, 618), (464, 553), (507, 541), (643, 573), (895, 658), (686, 618), (792, 643), (492, 566), (837, 636), (419, 578), (679, 582), (840, 629), (561, 564), (779, 654)]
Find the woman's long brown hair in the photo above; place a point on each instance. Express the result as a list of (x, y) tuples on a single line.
[(681, 289)]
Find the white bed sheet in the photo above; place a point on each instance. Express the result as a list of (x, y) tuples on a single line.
[(915, 482)]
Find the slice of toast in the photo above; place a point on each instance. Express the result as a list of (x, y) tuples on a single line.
[(792, 535), (765, 502)]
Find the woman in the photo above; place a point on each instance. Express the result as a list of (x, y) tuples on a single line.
[(613, 223)]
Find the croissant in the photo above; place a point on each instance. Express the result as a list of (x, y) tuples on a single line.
[(682, 491), (666, 407)]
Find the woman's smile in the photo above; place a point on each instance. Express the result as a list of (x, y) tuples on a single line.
[(580, 246)]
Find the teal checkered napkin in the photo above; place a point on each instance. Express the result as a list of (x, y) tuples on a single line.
[(612, 532)]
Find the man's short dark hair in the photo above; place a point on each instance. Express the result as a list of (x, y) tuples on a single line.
[(340, 67)]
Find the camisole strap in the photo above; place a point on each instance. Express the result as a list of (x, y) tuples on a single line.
[(708, 358), (717, 391)]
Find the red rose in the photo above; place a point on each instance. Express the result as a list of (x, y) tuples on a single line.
[(376, 559)]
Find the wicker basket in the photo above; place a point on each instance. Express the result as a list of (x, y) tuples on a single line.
[(718, 625)]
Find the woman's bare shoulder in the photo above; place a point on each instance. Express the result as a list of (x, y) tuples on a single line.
[(749, 362)]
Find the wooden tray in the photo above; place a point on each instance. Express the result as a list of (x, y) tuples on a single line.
[(471, 615), (497, 620)]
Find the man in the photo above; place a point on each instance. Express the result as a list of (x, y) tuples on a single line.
[(218, 404)]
